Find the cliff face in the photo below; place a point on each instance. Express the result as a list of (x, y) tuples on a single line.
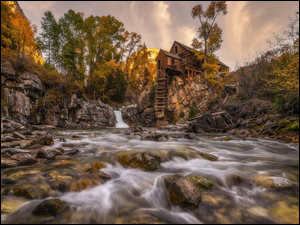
[(179, 99), (23, 100)]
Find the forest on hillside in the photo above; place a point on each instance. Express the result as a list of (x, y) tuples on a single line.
[(96, 56)]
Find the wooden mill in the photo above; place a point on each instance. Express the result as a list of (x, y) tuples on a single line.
[(179, 61)]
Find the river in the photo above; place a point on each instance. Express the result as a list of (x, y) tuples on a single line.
[(136, 196)]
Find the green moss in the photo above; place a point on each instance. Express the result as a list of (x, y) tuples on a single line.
[(292, 126)]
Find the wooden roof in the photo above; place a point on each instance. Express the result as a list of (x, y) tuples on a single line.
[(169, 54)]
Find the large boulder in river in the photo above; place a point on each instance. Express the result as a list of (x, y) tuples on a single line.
[(183, 192), (269, 181), (139, 159), (205, 123)]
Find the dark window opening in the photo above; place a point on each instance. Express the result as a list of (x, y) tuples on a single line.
[(158, 64), (175, 49), (173, 61)]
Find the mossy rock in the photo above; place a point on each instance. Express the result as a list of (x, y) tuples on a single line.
[(32, 191), (139, 159), (11, 205), (268, 181), (201, 182), (50, 207)]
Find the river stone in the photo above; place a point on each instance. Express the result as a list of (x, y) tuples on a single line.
[(232, 180), (11, 205), (201, 182), (182, 191), (24, 158), (32, 191), (48, 152), (268, 181), (84, 168), (50, 206), (12, 151), (5, 180), (99, 165), (8, 139), (71, 152), (6, 163), (83, 183), (208, 156), (139, 159), (75, 137), (190, 136), (48, 140), (18, 135)]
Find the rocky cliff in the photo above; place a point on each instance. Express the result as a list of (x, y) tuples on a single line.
[(23, 100), (181, 96)]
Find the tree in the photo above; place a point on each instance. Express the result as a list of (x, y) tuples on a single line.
[(6, 26), (49, 35), (209, 34)]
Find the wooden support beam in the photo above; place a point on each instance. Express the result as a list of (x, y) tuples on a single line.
[(189, 76)]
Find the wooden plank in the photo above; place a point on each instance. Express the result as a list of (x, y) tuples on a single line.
[(189, 76)]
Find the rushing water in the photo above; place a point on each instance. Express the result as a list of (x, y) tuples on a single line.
[(133, 195)]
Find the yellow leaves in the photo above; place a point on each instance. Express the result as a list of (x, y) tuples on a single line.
[(211, 79)]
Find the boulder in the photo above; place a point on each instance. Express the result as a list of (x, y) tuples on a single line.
[(48, 152), (32, 191), (201, 182), (7, 163), (50, 206), (139, 159), (233, 180), (205, 123), (24, 158), (269, 181), (183, 192)]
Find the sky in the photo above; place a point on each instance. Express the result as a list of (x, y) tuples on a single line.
[(246, 27)]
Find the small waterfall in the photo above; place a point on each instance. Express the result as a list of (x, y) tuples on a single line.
[(120, 123)]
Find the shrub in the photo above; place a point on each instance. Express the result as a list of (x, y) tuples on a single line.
[(192, 112)]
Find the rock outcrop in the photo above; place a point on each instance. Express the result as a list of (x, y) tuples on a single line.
[(24, 98)]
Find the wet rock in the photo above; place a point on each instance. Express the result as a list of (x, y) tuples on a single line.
[(135, 159), (8, 139), (182, 191), (48, 140), (71, 152), (61, 186), (12, 151), (205, 123), (62, 139), (48, 152), (83, 183), (6, 163), (24, 158), (233, 180), (60, 149), (156, 136), (75, 137), (99, 165), (145, 219), (5, 180), (18, 135), (8, 206), (24, 145), (84, 168), (63, 177), (50, 206), (35, 146), (268, 181), (32, 191), (102, 175), (190, 136), (162, 139), (208, 156), (201, 182)]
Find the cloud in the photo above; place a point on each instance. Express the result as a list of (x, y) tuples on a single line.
[(162, 18)]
